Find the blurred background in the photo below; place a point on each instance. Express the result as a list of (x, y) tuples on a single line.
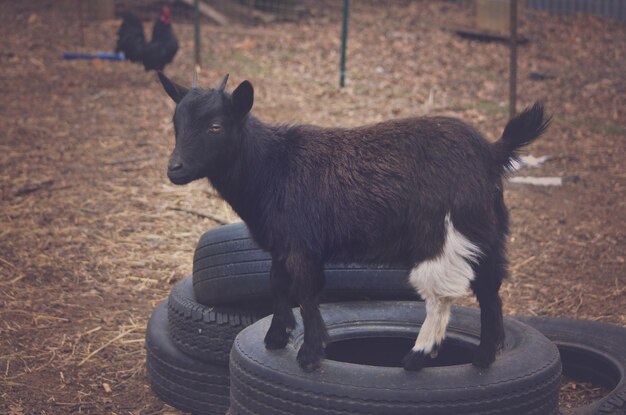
[(93, 235)]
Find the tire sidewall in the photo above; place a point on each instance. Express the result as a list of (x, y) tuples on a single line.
[(528, 360), (606, 342), (230, 268)]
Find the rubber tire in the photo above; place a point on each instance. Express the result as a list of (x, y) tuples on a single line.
[(229, 267), (177, 379), (206, 333), (593, 352), (524, 379)]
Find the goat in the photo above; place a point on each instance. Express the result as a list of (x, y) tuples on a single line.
[(422, 192)]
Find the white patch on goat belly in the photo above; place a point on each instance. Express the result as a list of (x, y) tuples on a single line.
[(440, 279), (450, 273)]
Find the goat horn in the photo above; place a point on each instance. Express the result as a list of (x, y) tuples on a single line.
[(194, 80), (222, 84)]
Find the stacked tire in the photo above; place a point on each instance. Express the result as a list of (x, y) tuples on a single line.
[(205, 351), (190, 335)]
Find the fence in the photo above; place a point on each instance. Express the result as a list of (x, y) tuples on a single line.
[(284, 9), (611, 8)]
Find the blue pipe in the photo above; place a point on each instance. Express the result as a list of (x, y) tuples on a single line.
[(98, 55)]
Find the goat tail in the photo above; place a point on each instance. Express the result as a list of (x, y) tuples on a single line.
[(520, 131)]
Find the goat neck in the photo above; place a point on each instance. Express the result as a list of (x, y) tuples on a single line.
[(241, 180)]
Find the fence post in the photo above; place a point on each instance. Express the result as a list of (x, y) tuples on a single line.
[(196, 26), (344, 42), (513, 60)]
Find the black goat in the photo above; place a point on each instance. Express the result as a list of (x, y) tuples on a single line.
[(422, 192)]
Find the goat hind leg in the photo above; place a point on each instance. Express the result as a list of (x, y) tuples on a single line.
[(491, 328), (283, 320), (489, 276), (431, 334)]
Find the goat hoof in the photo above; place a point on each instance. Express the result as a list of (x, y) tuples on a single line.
[(290, 322), (309, 359), (276, 338), (435, 351), (484, 357), (414, 361)]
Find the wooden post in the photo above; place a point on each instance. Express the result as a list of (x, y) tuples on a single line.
[(513, 60), (207, 11), (81, 22)]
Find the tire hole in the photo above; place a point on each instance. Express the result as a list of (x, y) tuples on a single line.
[(588, 366), (389, 351), (587, 376)]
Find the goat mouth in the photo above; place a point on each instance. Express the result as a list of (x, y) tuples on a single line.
[(179, 178)]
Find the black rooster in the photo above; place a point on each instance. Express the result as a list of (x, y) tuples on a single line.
[(155, 54)]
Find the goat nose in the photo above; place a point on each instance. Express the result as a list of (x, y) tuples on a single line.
[(176, 166)]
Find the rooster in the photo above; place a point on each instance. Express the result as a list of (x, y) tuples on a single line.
[(155, 54)]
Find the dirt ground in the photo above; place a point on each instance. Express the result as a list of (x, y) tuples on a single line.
[(92, 234)]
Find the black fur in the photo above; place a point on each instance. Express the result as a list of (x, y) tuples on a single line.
[(376, 193), (519, 132)]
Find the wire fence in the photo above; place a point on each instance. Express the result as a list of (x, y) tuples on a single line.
[(610, 8), (295, 9), (285, 9)]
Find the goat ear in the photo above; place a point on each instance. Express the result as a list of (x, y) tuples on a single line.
[(175, 91), (242, 99)]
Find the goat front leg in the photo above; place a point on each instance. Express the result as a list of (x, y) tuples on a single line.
[(308, 281), (283, 321), (431, 334)]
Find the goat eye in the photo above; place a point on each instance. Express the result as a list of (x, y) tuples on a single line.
[(215, 128)]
